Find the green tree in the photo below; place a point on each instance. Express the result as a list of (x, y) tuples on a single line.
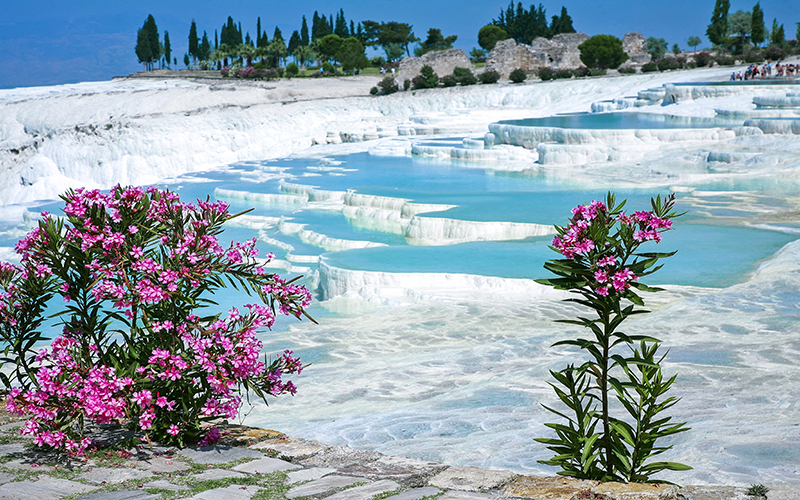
[(194, 42), (693, 42), (394, 51), (758, 31), (657, 47), (304, 40), (167, 48), (675, 49), (328, 46), (186, 61), (304, 54), (777, 36), (717, 31), (351, 54), (148, 45), (205, 48), (602, 51), (385, 34), (435, 41), (143, 52), (489, 35), (294, 42), (319, 27), (562, 23), (246, 52), (739, 27), (524, 26), (340, 28)]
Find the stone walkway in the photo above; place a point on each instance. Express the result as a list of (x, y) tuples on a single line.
[(260, 465)]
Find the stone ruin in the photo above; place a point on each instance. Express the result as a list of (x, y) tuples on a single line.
[(443, 63), (634, 44), (560, 52)]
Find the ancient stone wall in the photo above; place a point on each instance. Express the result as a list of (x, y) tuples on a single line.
[(560, 52), (634, 44), (443, 63)]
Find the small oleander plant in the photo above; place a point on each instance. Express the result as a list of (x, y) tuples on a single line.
[(602, 264)]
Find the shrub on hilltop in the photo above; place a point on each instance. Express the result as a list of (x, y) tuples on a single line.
[(602, 51), (464, 76), (518, 75), (427, 79), (448, 81), (703, 59), (489, 76), (388, 85), (292, 69)]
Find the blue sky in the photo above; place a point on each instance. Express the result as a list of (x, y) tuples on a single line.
[(47, 42)]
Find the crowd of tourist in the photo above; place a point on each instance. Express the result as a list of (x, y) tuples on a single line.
[(767, 71)]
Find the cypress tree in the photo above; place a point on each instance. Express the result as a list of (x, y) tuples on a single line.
[(167, 48), (304, 33), (194, 47), (258, 32), (142, 47), (216, 40), (239, 33), (717, 31), (758, 31), (294, 42), (341, 25), (277, 35), (153, 40), (205, 48)]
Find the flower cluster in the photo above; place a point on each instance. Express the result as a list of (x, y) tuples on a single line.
[(589, 238), (149, 260)]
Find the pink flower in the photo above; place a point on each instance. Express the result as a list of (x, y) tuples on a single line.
[(173, 430)]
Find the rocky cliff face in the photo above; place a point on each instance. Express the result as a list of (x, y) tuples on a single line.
[(443, 63)]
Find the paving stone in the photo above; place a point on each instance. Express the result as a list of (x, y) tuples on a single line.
[(293, 447), (781, 493), (232, 492), (550, 488), (45, 488), (714, 493), (215, 455), (341, 457), (416, 493), (161, 464), (13, 426), (120, 495), (410, 471), (12, 449), (100, 475), (366, 491), (163, 484), (265, 466), (635, 491), (322, 485), (471, 479), (303, 475), (212, 474), (466, 495)]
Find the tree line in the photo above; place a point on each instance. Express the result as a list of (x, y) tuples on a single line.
[(736, 32), (328, 39)]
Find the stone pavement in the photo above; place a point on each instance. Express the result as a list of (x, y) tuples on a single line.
[(260, 465)]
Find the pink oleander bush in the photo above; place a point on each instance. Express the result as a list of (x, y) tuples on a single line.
[(136, 270), (614, 401)]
